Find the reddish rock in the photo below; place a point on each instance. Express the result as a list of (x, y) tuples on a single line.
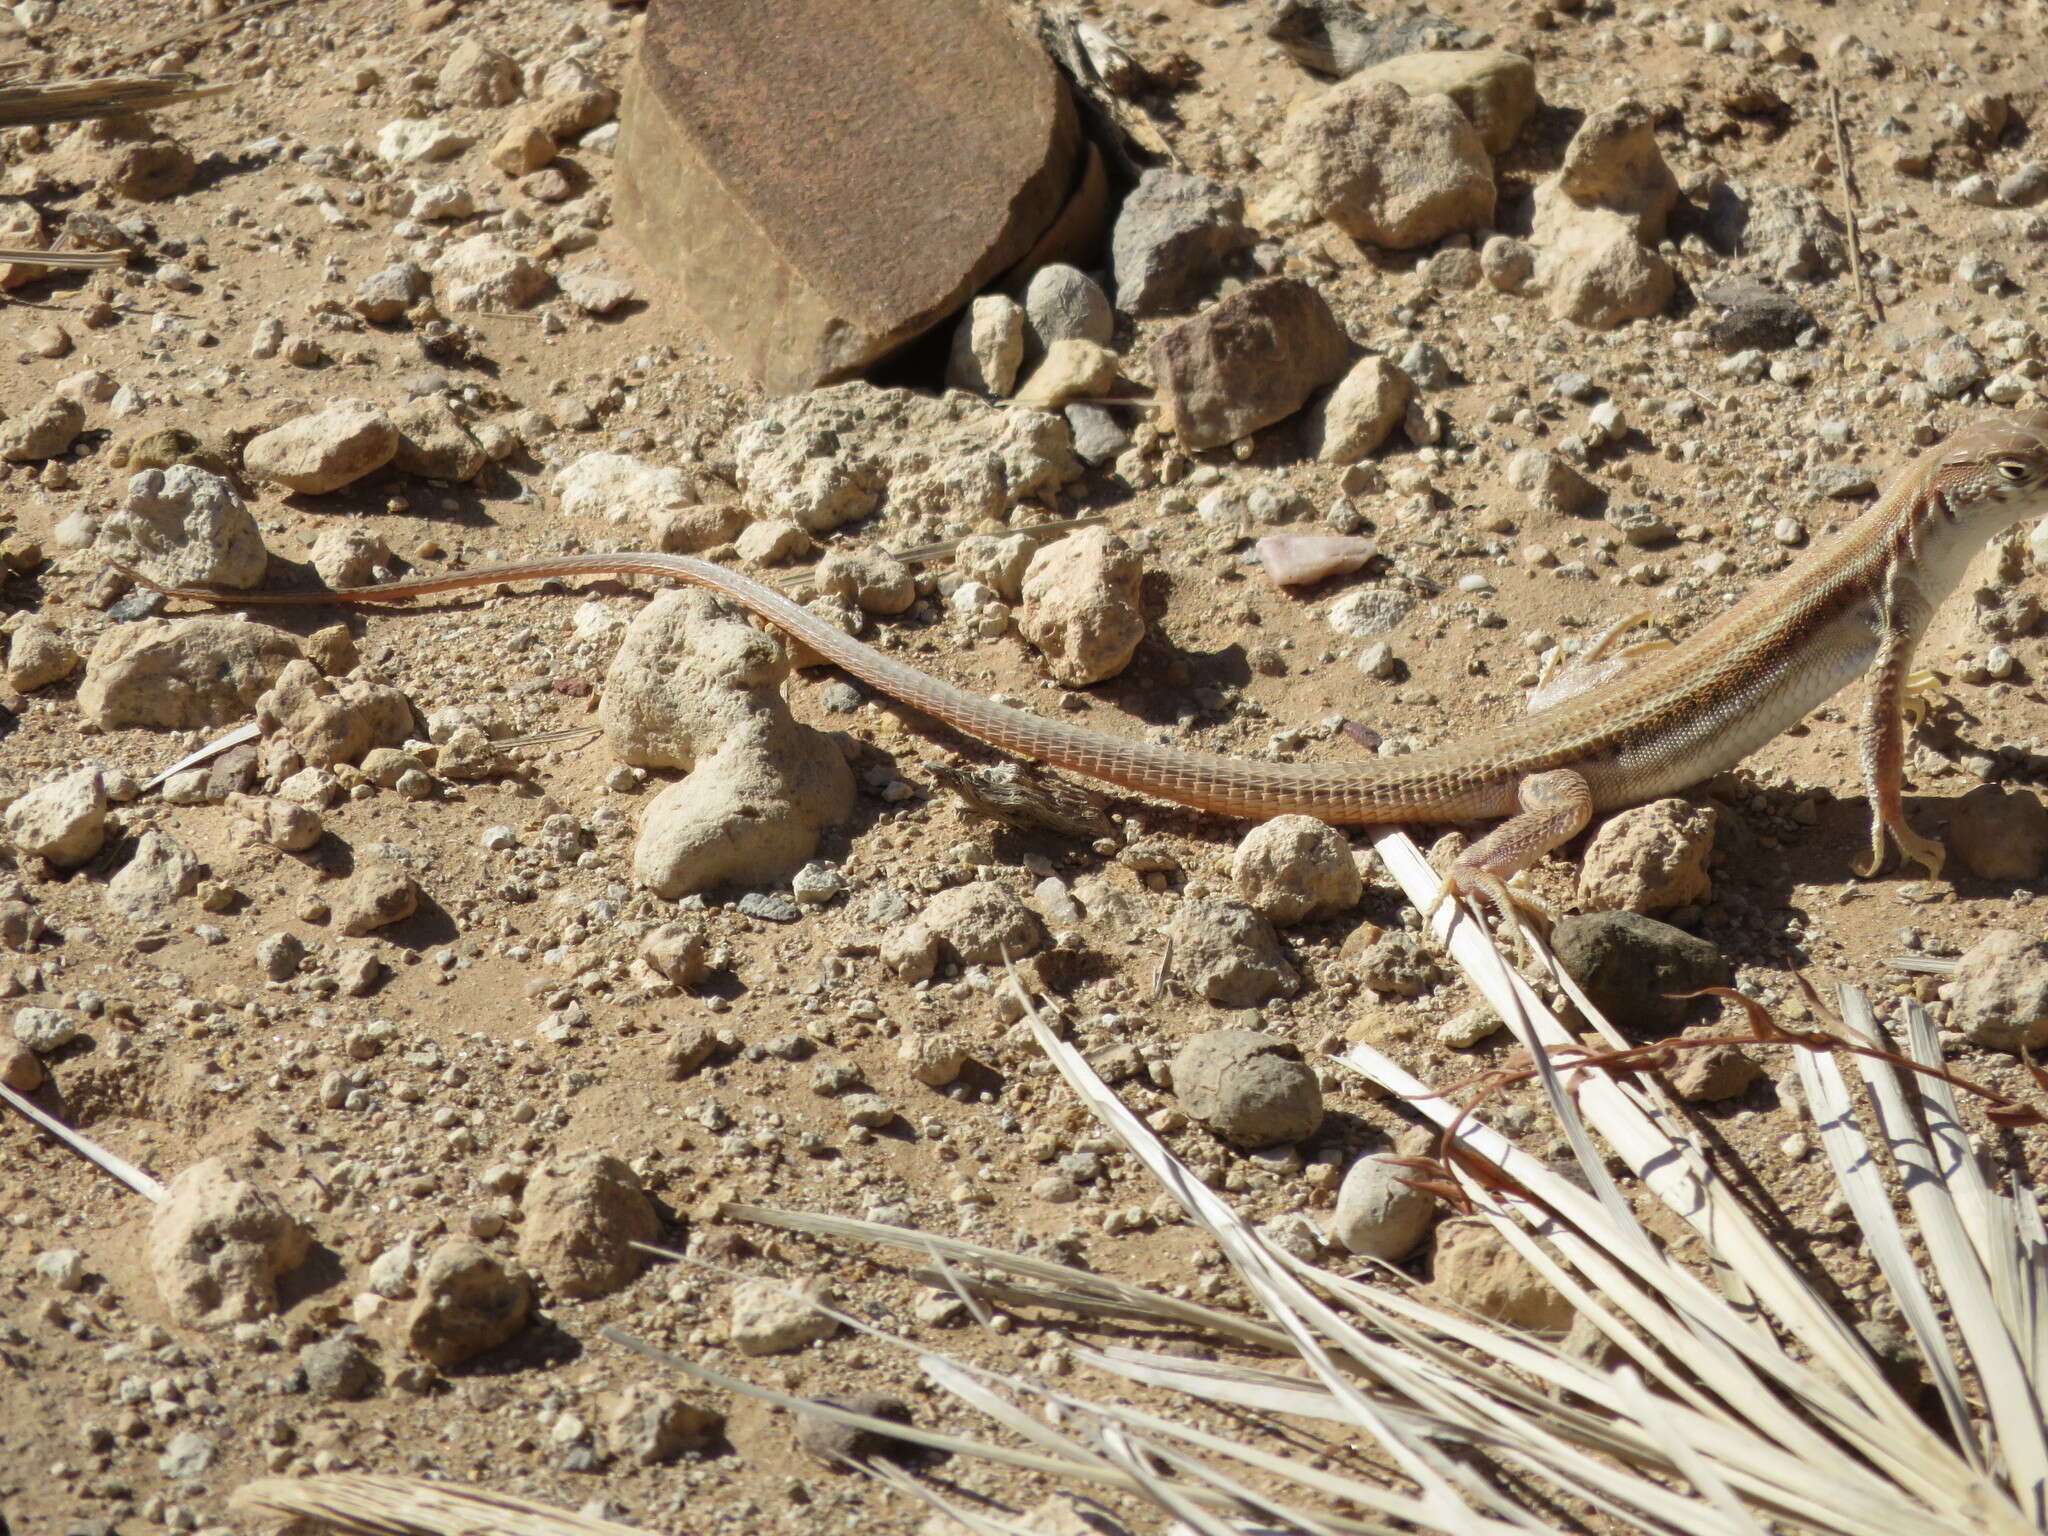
[(820, 181), (1248, 361)]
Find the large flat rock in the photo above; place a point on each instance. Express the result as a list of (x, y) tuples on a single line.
[(819, 181)]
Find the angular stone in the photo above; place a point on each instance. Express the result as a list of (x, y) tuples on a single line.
[(817, 203), (1248, 361), (1494, 88)]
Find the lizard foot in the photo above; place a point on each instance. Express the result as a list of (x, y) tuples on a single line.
[(1921, 692), (1562, 677), (1919, 850), (1519, 910)]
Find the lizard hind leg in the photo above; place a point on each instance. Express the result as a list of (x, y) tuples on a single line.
[(1554, 808)]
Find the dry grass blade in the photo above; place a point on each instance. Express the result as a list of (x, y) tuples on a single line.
[(65, 261), (247, 731), (1648, 1130), (2010, 1395), (372, 1504), (75, 101), (144, 1184), (1727, 1420)]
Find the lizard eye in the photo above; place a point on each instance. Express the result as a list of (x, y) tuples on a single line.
[(2012, 471)]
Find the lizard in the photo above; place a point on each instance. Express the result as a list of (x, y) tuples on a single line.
[(1644, 729)]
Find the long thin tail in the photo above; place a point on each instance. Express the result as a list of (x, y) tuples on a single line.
[(1207, 781)]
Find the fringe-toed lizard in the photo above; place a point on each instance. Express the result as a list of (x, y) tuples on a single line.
[(1859, 603)]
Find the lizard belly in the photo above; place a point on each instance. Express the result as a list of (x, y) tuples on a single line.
[(1751, 715)]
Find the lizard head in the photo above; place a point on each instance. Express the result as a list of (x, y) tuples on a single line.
[(1996, 470)]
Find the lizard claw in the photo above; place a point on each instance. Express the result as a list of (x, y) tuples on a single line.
[(1919, 850), (1518, 910)]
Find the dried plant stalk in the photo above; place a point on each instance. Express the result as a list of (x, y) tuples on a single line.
[(371, 1504), (76, 101)]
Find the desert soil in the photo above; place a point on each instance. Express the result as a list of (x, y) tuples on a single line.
[(463, 1066)]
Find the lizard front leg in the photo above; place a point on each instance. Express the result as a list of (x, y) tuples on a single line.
[(1883, 741), (1555, 808)]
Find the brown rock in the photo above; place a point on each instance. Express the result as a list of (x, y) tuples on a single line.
[(583, 1216), (649, 1425), (1393, 170), (127, 156), (1081, 606), (20, 1068), (433, 444), (1600, 276), (1474, 1267), (325, 450), (329, 722), (1650, 858), (1612, 162), (1713, 1073), (468, 1302), (1248, 361), (218, 1243), (180, 674), (376, 895), (2000, 834), (1492, 87), (815, 217), (1999, 995)]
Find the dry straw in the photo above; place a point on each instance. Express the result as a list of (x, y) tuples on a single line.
[(1743, 1401), (76, 101)]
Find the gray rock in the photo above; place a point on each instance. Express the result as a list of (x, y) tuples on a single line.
[(1380, 1213), (152, 881), (338, 1370), (187, 527), (62, 1267), (1063, 303), (1225, 952), (1171, 237), (44, 1030), (983, 923), (1753, 314), (1247, 1087), (841, 1446), (650, 1426), (385, 295), (189, 1454), (1952, 371), (1627, 964), (1098, 436), (1552, 486), (1841, 482), (1339, 37), (1788, 231), (2026, 186)]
